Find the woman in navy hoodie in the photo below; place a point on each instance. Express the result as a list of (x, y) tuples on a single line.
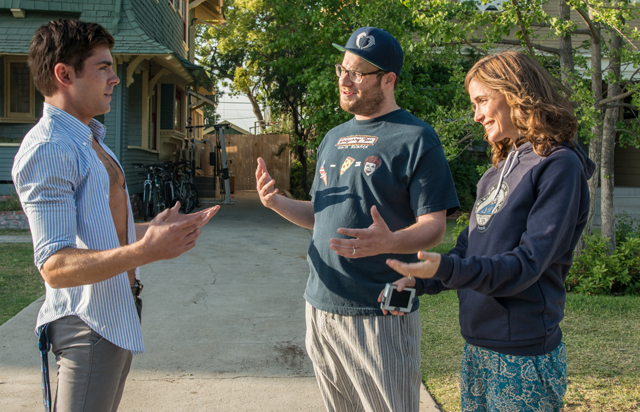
[(510, 264)]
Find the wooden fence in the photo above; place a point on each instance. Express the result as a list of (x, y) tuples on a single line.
[(243, 150)]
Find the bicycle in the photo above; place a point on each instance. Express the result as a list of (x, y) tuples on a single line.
[(147, 205), (153, 200), (186, 191)]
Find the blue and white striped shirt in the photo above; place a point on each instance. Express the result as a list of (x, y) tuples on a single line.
[(64, 190)]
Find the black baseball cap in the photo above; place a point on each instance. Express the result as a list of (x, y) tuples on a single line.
[(377, 47)]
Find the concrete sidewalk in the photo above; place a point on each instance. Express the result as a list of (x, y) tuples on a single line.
[(223, 326)]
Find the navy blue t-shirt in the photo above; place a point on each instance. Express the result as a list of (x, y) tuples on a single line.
[(395, 162)]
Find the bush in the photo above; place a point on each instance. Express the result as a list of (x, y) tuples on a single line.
[(467, 169), (461, 224), (600, 271), (11, 203), (295, 180)]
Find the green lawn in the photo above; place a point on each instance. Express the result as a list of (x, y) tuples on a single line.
[(14, 232), (602, 334), (20, 282)]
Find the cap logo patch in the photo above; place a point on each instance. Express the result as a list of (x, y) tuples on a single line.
[(363, 41)]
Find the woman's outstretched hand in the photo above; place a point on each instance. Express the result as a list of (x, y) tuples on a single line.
[(425, 269)]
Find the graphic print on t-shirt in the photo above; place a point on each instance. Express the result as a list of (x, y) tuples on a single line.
[(323, 174), (490, 204), (371, 163), (356, 142), (347, 163)]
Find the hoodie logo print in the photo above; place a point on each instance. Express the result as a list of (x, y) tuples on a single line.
[(490, 204)]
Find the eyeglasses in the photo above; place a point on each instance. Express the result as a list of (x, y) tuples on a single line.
[(354, 76)]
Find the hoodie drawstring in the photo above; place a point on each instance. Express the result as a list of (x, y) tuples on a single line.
[(503, 175)]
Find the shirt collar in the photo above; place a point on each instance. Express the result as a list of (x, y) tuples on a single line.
[(78, 130)]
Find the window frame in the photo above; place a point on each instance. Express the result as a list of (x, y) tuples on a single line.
[(483, 7), (10, 117)]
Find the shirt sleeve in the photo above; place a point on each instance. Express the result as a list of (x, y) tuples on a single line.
[(45, 179), (550, 232), (431, 188)]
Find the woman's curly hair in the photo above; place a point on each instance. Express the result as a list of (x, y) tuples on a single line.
[(538, 110)]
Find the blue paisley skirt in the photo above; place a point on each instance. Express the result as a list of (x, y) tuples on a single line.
[(495, 382)]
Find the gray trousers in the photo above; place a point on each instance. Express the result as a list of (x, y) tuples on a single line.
[(91, 370), (365, 363)]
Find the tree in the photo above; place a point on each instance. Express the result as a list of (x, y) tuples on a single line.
[(458, 27), (283, 50), (226, 52)]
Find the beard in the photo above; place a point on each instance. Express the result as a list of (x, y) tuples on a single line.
[(368, 103)]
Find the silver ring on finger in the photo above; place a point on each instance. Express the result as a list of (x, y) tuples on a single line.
[(353, 252)]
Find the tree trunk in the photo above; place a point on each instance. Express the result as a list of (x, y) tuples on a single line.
[(608, 145), (302, 156), (595, 144), (257, 111), (566, 51)]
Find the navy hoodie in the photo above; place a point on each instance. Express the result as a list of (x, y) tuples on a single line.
[(510, 264)]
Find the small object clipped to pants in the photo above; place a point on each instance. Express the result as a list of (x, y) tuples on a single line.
[(136, 289), (44, 346)]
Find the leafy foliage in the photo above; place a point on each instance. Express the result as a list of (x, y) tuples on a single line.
[(461, 224), (11, 203), (600, 271), (295, 182)]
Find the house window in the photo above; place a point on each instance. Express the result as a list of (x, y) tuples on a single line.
[(19, 95), (177, 111), (485, 5), (176, 5)]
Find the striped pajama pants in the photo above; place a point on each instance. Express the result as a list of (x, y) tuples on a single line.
[(365, 363)]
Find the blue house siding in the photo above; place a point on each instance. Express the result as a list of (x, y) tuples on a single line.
[(146, 28), (132, 136), (7, 153), (160, 22)]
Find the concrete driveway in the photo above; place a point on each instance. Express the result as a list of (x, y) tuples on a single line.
[(223, 326)]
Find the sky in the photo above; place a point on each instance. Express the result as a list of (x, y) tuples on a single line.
[(237, 110)]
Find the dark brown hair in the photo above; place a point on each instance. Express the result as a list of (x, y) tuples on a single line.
[(63, 41), (538, 110)]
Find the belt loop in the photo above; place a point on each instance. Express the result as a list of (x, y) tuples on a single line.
[(44, 346)]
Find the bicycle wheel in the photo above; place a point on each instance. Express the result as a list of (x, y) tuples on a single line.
[(169, 200), (146, 202), (191, 199), (156, 201)]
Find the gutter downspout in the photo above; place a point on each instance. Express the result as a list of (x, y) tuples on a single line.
[(116, 16)]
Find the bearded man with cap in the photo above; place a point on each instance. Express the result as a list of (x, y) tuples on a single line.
[(382, 189)]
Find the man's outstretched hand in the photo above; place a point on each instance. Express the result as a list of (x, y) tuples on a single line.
[(171, 234), (265, 184), (371, 241)]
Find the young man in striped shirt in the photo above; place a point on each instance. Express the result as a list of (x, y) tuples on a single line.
[(86, 244)]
